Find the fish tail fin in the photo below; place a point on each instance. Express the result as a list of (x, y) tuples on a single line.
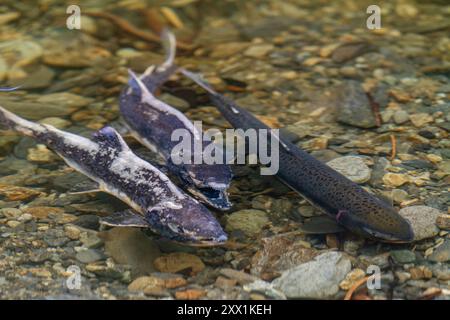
[(198, 79), (11, 121)]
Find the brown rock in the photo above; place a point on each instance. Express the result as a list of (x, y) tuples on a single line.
[(191, 294), (443, 221), (224, 283), (13, 193), (43, 212), (241, 277)]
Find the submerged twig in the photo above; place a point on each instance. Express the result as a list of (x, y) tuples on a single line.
[(349, 294), (394, 147)]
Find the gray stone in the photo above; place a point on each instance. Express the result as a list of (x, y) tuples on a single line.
[(422, 220), (317, 279), (401, 116), (403, 256), (89, 256), (354, 168), (442, 253), (353, 106)]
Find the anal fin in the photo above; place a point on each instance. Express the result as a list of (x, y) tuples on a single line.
[(126, 218), (85, 187)]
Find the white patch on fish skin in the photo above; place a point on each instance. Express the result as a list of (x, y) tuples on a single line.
[(218, 185), (170, 41), (236, 111), (150, 99)]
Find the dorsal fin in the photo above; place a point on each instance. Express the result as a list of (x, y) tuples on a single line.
[(109, 137)]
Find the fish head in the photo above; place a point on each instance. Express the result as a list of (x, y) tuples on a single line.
[(379, 221), (209, 183), (186, 221)]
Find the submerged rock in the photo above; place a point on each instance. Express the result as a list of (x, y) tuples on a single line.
[(353, 106), (317, 279), (354, 168), (250, 221), (422, 220)]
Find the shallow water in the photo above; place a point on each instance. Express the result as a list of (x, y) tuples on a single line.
[(375, 101)]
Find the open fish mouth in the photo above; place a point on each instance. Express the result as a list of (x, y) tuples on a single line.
[(207, 242), (215, 198), (387, 237)]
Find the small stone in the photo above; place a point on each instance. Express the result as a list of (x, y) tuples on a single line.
[(354, 168), (41, 154), (406, 10), (25, 217), (249, 221), (43, 212), (10, 213), (140, 284), (349, 51), (258, 51), (441, 253), (8, 17), (13, 193), (157, 281), (239, 276), (40, 272), (402, 276), (317, 279), (420, 272), (399, 195), (90, 239), (13, 224), (191, 294), (351, 278), (401, 116), (72, 232), (353, 105), (434, 158), (421, 119), (89, 256), (224, 283), (422, 220), (403, 256), (395, 179), (179, 262), (443, 221)]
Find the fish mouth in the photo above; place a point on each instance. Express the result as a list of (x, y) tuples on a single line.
[(207, 242), (389, 237), (215, 198)]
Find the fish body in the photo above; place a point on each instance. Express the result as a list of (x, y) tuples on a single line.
[(152, 122), (157, 203), (351, 206)]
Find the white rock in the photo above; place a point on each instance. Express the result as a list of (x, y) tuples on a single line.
[(317, 279), (422, 220), (354, 168)]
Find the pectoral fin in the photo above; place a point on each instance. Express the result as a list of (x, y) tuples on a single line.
[(85, 187), (321, 225), (127, 218)]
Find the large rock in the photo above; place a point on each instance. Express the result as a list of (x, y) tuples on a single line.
[(354, 168), (317, 279), (353, 106), (250, 221), (422, 220)]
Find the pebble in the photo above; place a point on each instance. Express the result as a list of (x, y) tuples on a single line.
[(11, 213), (191, 294), (56, 122), (317, 279), (399, 195), (354, 168), (72, 232), (403, 256), (90, 240), (240, 276), (441, 253), (420, 119), (179, 262), (157, 281), (258, 51), (351, 278), (353, 106), (265, 288), (41, 154), (89, 256), (395, 179), (401, 116), (249, 221), (443, 221), (422, 220)]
